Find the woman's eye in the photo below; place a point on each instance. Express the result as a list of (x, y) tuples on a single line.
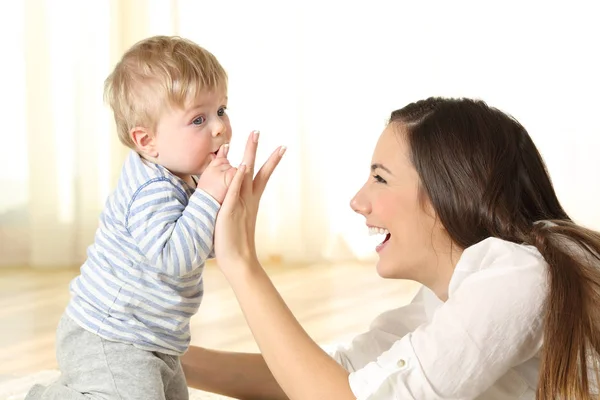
[(198, 121), (221, 111), (379, 179)]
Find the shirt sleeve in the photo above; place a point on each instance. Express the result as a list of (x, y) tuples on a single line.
[(491, 323), (174, 234), (386, 329)]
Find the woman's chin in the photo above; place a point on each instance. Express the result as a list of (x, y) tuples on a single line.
[(391, 269), (385, 270)]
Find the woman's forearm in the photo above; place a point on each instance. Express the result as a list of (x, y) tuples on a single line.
[(300, 366), (238, 375)]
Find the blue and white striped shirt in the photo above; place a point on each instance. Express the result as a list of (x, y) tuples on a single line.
[(142, 280)]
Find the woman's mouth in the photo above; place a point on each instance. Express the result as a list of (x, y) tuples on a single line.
[(374, 230)]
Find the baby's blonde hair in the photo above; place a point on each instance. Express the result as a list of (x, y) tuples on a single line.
[(159, 72)]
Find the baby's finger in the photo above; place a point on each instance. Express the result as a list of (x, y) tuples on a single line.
[(223, 150), (220, 164), (229, 175)]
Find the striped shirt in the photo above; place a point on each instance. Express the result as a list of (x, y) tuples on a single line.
[(142, 280)]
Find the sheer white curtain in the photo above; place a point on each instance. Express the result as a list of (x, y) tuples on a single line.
[(60, 156), (52, 133), (320, 77)]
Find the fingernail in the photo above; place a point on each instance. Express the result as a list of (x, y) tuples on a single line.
[(256, 135), (282, 150)]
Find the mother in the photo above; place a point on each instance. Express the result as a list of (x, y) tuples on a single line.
[(511, 285)]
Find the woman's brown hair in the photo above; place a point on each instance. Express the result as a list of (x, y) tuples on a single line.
[(484, 177)]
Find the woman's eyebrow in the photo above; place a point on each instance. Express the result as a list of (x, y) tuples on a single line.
[(377, 165)]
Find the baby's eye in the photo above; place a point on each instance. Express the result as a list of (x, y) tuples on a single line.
[(198, 121), (221, 111)]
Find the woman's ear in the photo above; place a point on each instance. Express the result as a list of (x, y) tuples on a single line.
[(145, 141)]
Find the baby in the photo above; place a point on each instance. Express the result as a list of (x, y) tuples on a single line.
[(128, 321)]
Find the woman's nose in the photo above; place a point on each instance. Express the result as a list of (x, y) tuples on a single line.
[(359, 203)]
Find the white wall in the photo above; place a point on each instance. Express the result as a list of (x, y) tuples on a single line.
[(318, 76)]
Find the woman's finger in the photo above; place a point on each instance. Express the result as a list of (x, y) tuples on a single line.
[(233, 192), (264, 174), (250, 151), (249, 160)]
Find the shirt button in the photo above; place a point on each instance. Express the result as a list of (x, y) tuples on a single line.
[(401, 363)]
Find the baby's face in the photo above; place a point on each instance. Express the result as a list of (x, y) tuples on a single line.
[(188, 139)]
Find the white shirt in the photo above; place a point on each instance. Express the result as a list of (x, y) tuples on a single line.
[(482, 343)]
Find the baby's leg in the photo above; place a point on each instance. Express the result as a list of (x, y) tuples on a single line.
[(84, 374), (54, 391), (94, 368), (144, 375), (177, 388)]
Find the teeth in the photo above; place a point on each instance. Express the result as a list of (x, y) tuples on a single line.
[(377, 231)]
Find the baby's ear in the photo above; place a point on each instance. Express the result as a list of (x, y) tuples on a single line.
[(144, 141)]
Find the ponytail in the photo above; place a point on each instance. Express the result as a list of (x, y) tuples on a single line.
[(570, 355)]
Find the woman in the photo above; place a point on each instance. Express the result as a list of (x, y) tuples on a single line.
[(469, 211)]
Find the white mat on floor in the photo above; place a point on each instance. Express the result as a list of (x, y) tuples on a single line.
[(17, 388)]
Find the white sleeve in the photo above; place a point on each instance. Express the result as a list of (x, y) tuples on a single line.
[(491, 323), (386, 329)]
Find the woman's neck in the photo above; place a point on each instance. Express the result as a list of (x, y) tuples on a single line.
[(439, 280)]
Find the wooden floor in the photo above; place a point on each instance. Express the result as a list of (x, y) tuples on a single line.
[(333, 302)]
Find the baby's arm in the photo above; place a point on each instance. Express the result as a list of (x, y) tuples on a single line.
[(175, 238)]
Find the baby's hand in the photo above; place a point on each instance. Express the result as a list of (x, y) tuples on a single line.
[(218, 175)]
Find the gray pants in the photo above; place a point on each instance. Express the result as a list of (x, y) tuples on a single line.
[(95, 368)]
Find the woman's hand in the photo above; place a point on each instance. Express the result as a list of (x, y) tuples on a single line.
[(236, 221), (301, 368)]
